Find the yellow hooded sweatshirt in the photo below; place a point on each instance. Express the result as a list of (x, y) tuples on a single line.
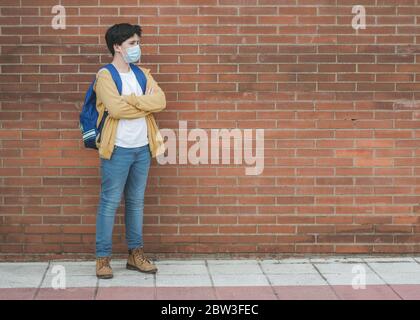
[(127, 107)]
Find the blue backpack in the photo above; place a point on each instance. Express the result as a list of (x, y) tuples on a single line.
[(89, 115)]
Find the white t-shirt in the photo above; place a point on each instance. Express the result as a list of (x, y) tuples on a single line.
[(131, 133)]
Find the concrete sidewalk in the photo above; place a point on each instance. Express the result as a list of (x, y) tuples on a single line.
[(291, 278)]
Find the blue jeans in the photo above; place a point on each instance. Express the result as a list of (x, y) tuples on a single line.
[(127, 171)]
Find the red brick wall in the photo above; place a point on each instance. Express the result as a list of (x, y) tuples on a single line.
[(340, 108)]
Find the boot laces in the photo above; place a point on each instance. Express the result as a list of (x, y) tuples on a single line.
[(104, 262), (140, 255)]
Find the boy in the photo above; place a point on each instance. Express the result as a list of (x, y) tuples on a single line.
[(129, 139)]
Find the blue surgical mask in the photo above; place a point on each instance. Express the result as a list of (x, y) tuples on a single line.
[(133, 54)]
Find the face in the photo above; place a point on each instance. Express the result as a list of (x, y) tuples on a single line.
[(130, 42)]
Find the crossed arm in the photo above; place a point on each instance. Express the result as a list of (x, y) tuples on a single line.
[(129, 106)]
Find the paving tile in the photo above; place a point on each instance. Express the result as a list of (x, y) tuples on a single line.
[(182, 280), (185, 293), (304, 279), (239, 280), (119, 262), (22, 275), (123, 271), (118, 280), (401, 278), (66, 294), (342, 267), (407, 291), (182, 262), (70, 281), (236, 269), (232, 261), (292, 260), (371, 292), (285, 261), (73, 268), (17, 293), (288, 268), (125, 293), (388, 259), (347, 273), (179, 269), (348, 279), (241, 293), (395, 267), (22, 266), (313, 292)]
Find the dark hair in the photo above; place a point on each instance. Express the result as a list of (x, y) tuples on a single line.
[(118, 33)]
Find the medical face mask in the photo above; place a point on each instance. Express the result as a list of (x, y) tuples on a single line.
[(133, 54)]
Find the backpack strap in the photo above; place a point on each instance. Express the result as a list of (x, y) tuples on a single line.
[(115, 75), (141, 78), (117, 80)]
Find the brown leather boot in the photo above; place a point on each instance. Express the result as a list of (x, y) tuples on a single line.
[(138, 261), (103, 268)]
